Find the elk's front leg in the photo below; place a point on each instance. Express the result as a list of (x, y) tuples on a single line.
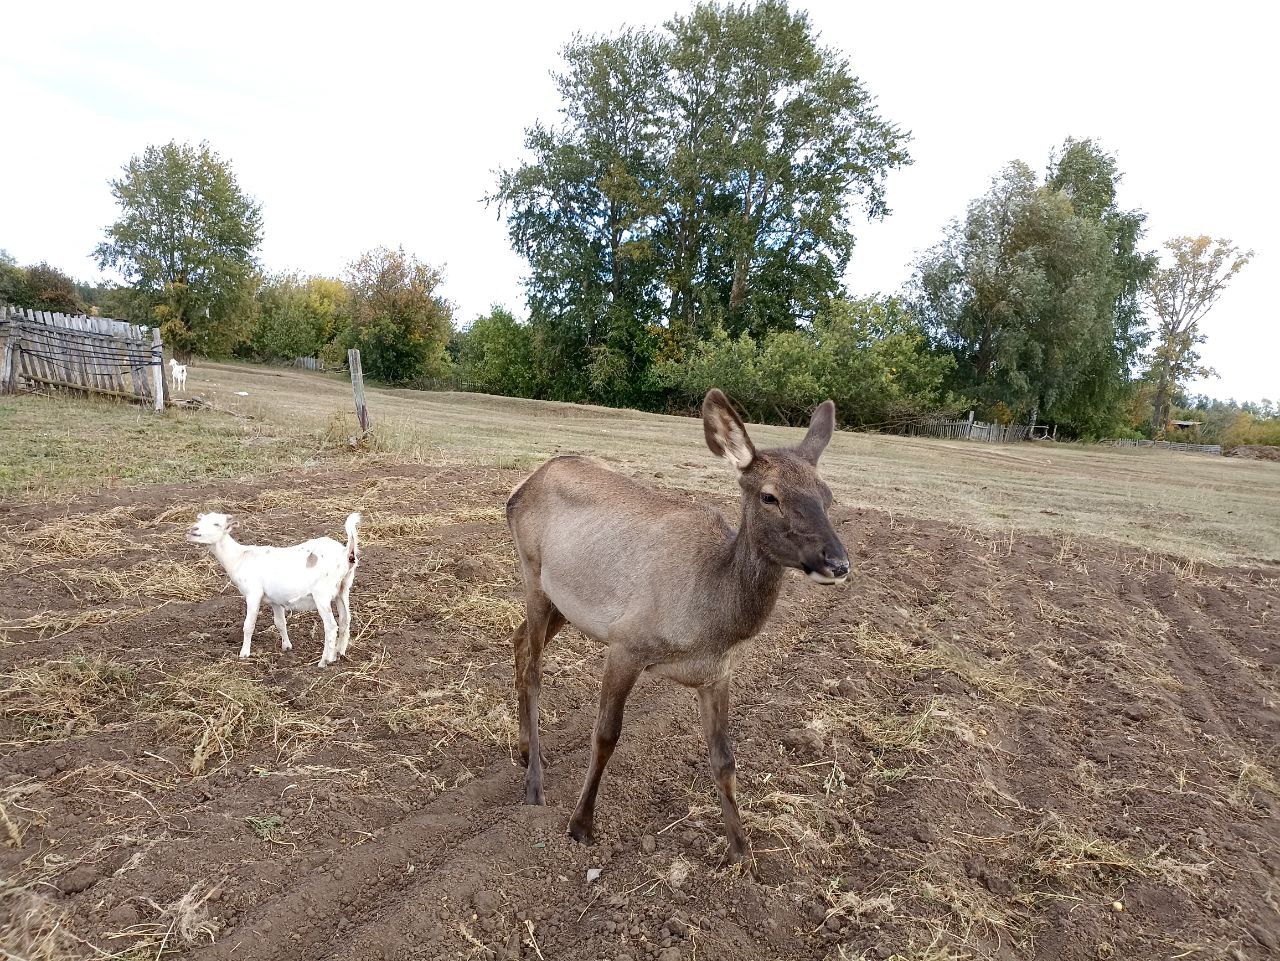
[(620, 674), (713, 704)]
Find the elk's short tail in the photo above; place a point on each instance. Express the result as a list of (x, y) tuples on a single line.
[(353, 543)]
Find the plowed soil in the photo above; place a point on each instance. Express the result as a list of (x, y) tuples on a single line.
[(982, 745)]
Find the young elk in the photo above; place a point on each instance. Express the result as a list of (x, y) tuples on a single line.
[(667, 586), (305, 577)]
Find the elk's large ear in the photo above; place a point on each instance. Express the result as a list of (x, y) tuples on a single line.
[(821, 424), (726, 435)]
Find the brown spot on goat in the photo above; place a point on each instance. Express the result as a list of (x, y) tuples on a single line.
[(312, 560)]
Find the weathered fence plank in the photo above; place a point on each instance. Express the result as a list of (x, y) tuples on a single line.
[(92, 354)]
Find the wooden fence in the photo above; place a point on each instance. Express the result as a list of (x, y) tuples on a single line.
[(1168, 445), (971, 430), (93, 354), (309, 363)]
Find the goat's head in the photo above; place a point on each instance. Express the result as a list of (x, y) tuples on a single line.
[(209, 528), (785, 502)]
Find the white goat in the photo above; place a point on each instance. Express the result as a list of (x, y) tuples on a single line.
[(306, 577), (179, 374)]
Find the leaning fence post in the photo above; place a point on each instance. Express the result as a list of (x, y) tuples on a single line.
[(157, 368), (12, 364), (357, 388)]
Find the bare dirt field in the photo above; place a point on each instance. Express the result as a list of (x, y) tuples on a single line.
[(1005, 737)]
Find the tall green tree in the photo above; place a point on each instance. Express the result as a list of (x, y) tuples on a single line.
[(1089, 177), (13, 280), (496, 355), (185, 241), (772, 137), (398, 319), (701, 174), (298, 316), (579, 212), (48, 288), (1181, 292), (1035, 292)]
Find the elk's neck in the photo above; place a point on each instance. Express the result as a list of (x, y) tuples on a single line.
[(754, 579)]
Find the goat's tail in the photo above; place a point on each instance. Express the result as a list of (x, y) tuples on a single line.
[(353, 544)]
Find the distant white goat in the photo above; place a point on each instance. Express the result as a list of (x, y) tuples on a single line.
[(306, 577), (179, 374)]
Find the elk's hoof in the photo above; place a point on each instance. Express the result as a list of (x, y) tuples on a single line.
[(533, 793), (744, 861), (582, 833)]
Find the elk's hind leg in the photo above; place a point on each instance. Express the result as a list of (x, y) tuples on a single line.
[(542, 621)]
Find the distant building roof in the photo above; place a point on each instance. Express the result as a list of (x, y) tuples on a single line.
[(1185, 423)]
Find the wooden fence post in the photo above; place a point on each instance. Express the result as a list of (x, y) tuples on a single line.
[(157, 368), (357, 388), (968, 433), (12, 365)]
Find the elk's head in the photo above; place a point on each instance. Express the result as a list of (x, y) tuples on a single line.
[(785, 502)]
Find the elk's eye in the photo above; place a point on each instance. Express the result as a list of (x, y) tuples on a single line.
[(768, 498)]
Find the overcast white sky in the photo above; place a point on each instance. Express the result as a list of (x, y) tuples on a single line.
[(364, 124)]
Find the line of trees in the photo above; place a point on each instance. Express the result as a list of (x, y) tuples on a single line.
[(687, 222)]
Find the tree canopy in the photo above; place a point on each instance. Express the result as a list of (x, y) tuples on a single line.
[(701, 174), (397, 319), (185, 242), (1180, 293), (1035, 292)]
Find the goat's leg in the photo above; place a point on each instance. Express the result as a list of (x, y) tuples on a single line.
[(542, 620), (278, 613), (330, 652), (620, 674), (252, 603), (344, 614), (713, 705)]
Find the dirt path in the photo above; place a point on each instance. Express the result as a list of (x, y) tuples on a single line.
[(982, 746)]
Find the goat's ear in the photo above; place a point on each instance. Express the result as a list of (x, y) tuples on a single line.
[(726, 435), (821, 425)]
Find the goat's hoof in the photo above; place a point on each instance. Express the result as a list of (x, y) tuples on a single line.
[(286, 647), (244, 657), (582, 833)]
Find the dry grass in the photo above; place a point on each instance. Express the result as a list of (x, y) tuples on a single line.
[(162, 580), (31, 927), (457, 710), (60, 698), (75, 537), (48, 625), (222, 713), (184, 922), (16, 816)]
